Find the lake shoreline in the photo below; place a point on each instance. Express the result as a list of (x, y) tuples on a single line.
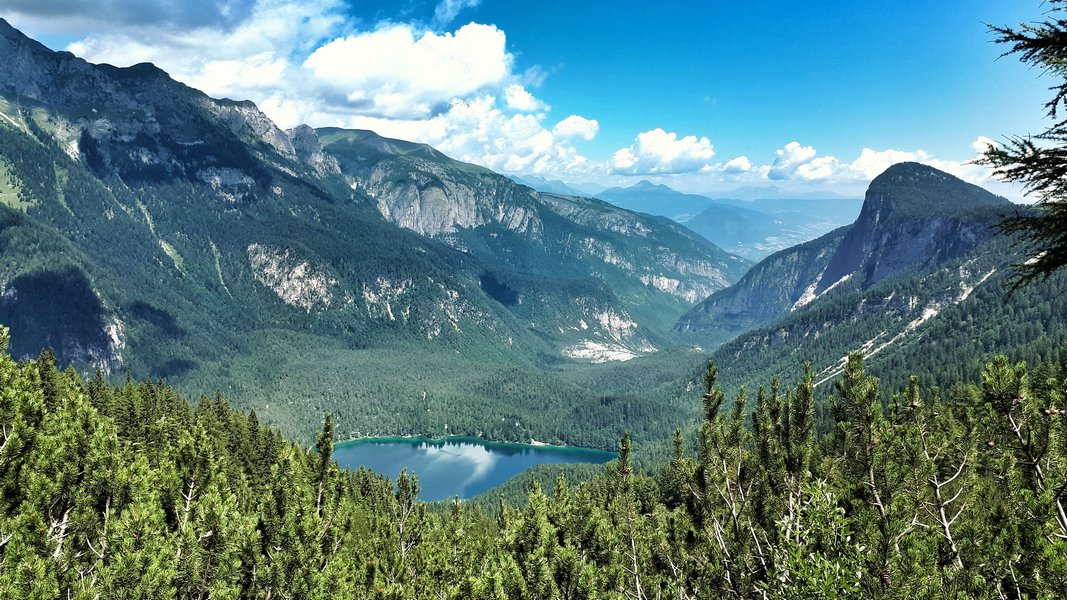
[(470, 439), (456, 466)]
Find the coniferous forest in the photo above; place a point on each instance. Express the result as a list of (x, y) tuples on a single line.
[(147, 228), (129, 492)]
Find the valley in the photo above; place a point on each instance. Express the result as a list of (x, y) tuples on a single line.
[(334, 270), (402, 290), (246, 360)]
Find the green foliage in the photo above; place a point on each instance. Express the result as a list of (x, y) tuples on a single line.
[(127, 491), (139, 265), (1038, 161)]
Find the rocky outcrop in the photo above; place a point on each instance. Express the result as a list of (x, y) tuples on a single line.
[(297, 282), (766, 292), (308, 148), (248, 122), (912, 215), (425, 199)]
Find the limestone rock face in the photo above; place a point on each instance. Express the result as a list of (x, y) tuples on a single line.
[(308, 148), (432, 202), (296, 282), (912, 215), (247, 121)]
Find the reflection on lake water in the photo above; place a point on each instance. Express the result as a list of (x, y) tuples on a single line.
[(463, 467)]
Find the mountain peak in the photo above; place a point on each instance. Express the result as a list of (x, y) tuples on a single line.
[(909, 171), (912, 214), (18, 39), (6, 30), (645, 184), (915, 189)]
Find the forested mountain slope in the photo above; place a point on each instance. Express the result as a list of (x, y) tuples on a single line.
[(127, 491), (913, 217), (920, 284), (149, 228)]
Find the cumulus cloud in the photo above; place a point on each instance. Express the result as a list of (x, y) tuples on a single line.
[(250, 60), (575, 126), (517, 97), (802, 163), (399, 72), (983, 144), (661, 152), (796, 161), (478, 130), (797, 167), (871, 163), (741, 164)]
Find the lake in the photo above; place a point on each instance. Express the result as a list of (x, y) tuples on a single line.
[(456, 466)]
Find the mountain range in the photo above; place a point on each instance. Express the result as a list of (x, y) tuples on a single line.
[(148, 228), (751, 228)]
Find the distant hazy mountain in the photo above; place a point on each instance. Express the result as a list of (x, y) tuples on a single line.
[(918, 283), (655, 199), (836, 211), (149, 228), (753, 229), (549, 186), (773, 192)]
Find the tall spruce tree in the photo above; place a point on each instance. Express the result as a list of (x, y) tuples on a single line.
[(1039, 161)]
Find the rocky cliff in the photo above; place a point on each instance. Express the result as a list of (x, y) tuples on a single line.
[(638, 266)]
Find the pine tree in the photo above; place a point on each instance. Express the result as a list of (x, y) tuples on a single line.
[(1039, 162)]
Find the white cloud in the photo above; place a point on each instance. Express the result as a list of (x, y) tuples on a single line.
[(575, 126), (741, 164), (396, 71), (250, 59), (516, 97), (802, 163), (799, 168), (795, 161), (659, 152), (74, 14), (446, 11), (982, 144), (871, 163), (478, 130), (308, 62)]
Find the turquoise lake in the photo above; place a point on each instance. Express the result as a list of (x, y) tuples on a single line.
[(456, 466)]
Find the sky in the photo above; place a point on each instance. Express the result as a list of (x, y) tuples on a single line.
[(704, 96)]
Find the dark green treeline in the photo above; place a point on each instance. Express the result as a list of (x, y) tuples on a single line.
[(129, 492)]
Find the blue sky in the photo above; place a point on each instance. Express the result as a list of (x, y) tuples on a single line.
[(703, 96)]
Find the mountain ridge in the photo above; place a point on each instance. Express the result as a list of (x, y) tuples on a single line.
[(896, 230), (210, 247)]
